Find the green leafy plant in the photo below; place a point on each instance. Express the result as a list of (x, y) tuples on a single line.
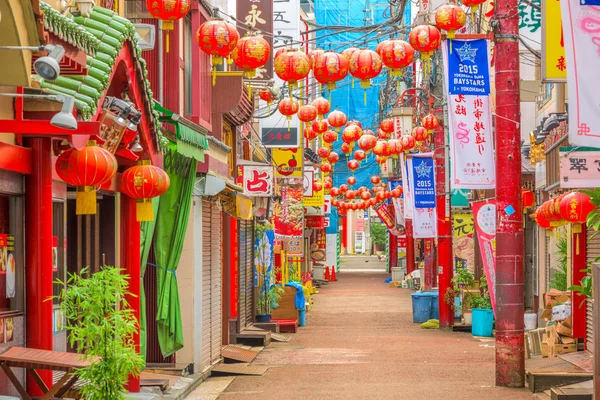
[(559, 277), (101, 325), (269, 294), (268, 299), (461, 280), (480, 302), (585, 287), (378, 234)]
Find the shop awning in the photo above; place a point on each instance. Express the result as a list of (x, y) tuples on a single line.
[(191, 137)]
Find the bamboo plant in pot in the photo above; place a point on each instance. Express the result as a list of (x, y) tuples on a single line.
[(268, 293)]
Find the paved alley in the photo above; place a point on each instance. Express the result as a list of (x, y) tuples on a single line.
[(360, 343)]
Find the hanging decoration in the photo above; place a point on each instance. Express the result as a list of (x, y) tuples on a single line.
[(330, 137), (575, 207), (380, 47), (337, 119), (333, 157), (168, 11), (375, 180), (354, 122), (430, 122), (541, 220), (365, 65), (420, 133), (334, 192), (359, 155), (387, 125), (382, 148), (324, 152), (325, 167), (317, 186), (314, 55), (408, 142), (352, 165), (381, 134), (307, 113), (330, 68), (288, 108), (367, 141), (309, 134), (528, 198), (474, 4), (323, 106), (351, 180), (425, 39), (267, 95), (346, 148), (396, 55), (320, 126), (217, 38), (144, 182), (348, 53), (450, 18), (250, 53), (396, 147), (86, 169), (291, 67), (351, 134)]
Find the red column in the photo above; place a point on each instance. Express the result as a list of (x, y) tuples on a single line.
[(579, 264), (445, 260), (344, 220), (38, 234), (130, 262), (410, 247), (393, 252), (510, 357), (429, 280)]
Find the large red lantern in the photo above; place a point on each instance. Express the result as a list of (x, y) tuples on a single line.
[(365, 195), (425, 39), (337, 119), (330, 137), (420, 133), (309, 134), (217, 38), (307, 113), (168, 11), (397, 54), (324, 152), (381, 45), (387, 125), (395, 146), (351, 133), (86, 169), (366, 142), (408, 142), (322, 106), (250, 53), (144, 182), (575, 207), (349, 52), (381, 148), (288, 108), (330, 68), (314, 55), (450, 18), (528, 198), (320, 126), (365, 65), (430, 122), (381, 134), (325, 167), (267, 96), (541, 220), (291, 67)]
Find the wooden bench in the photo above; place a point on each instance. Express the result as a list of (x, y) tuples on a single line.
[(286, 315)]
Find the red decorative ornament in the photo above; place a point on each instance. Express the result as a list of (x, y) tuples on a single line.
[(375, 180), (334, 192), (309, 134), (395, 146), (365, 65), (381, 159), (420, 133), (408, 142), (343, 188), (86, 169), (250, 53), (330, 68), (326, 167), (373, 201), (541, 220), (575, 207), (335, 202), (367, 142), (322, 105), (387, 125), (365, 195), (381, 149), (450, 18), (354, 206), (349, 52), (359, 155), (430, 122), (346, 148), (168, 11), (314, 55), (396, 55), (317, 186), (324, 152), (291, 67), (333, 157), (337, 119), (288, 108), (350, 194), (217, 38), (351, 133), (307, 113), (327, 184), (281, 51), (381, 134), (425, 39), (381, 45), (352, 165), (474, 4), (330, 137), (320, 126), (397, 192), (267, 96), (528, 198), (354, 122), (351, 180), (144, 182)]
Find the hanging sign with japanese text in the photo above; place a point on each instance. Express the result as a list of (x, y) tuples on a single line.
[(318, 245), (289, 218), (423, 185), (462, 241), (258, 180), (257, 15), (384, 213), (398, 202), (470, 115), (579, 169), (279, 137), (554, 67), (424, 218), (484, 213), (406, 193), (580, 21)]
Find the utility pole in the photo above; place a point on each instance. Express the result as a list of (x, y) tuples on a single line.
[(510, 360)]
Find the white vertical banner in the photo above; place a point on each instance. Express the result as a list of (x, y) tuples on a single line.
[(424, 219), (467, 75), (331, 251), (581, 24), (406, 192)]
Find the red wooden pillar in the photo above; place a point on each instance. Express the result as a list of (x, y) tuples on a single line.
[(393, 252), (429, 281), (579, 264), (343, 232), (38, 233), (130, 262), (410, 247)]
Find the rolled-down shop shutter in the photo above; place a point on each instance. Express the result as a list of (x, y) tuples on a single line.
[(242, 309), (211, 285), (593, 252), (246, 274)]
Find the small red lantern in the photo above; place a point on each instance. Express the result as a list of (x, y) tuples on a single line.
[(365, 65), (317, 186), (351, 133), (352, 165), (250, 53), (365, 195), (381, 134), (168, 11), (313, 55), (373, 201), (397, 192), (337, 119), (366, 142), (288, 108), (425, 39), (450, 18), (307, 113), (375, 180), (291, 67), (334, 192), (528, 198), (346, 148), (575, 207), (351, 180), (359, 155), (267, 96), (350, 194), (217, 38), (397, 54), (335, 202), (395, 146), (309, 134), (343, 188), (144, 182), (408, 142), (347, 136), (86, 169), (322, 105), (327, 184), (326, 167), (320, 126), (541, 220), (324, 152), (387, 125), (330, 137), (330, 68), (381, 148), (420, 133), (474, 4), (430, 122), (333, 157)]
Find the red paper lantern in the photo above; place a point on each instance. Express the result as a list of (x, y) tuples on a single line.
[(327, 184), (291, 67), (366, 142), (397, 54), (373, 201), (325, 167), (317, 186), (541, 220), (351, 180), (359, 155), (354, 206), (324, 152), (320, 126), (420, 133), (408, 142), (430, 122), (395, 146), (337, 119), (267, 96), (352, 133), (381, 148), (349, 52), (343, 188), (333, 157), (365, 65), (168, 11), (250, 53), (346, 148), (330, 68), (451, 18), (352, 165), (354, 122), (334, 192), (309, 134), (575, 207), (314, 55), (365, 195), (86, 169), (397, 192), (528, 198), (330, 137), (381, 159), (144, 182), (322, 105), (282, 50), (335, 202), (387, 125), (217, 38), (425, 39), (375, 180), (474, 4), (381, 134), (307, 113)]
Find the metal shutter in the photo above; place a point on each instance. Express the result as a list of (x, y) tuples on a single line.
[(249, 266), (206, 286), (242, 309), (216, 261), (593, 252)]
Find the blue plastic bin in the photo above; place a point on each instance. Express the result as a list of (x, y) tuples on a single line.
[(457, 307), (421, 304), (302, 317), (435, 306), (483, 322)]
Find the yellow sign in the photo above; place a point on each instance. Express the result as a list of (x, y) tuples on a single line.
[(288, 162), (317, 199), (243, 207), (463, 224), (553, 44)]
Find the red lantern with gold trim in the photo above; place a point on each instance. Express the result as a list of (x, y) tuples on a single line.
[(575, 207), (288, 108), (396, 55), (86, 169), (430, 122), (450, 18), (408, 142), (325, 167), (317, 186), (425, 39), (320, 126), (309, 134), (267, 96), (359, 155), (354, 122), (366, 142), (314, 55), (380, 47), (474, 4), (307, 113), (528, 198), (349, 52), (324, 152), (333, 157), (387, 125), (337, 119), (330, 68), (168, 11), (352, 133), (330, 137), (382, 148), (352, 165), (346, 149), (250, 53), (381, 134), (291, 67), (395, 147), (217, 38), (420, 133), (144, 182), (322, 106), (375, 180), (351, 180), (541, 220), (334, 191), (365, 65)]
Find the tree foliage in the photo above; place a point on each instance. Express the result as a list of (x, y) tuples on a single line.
[(378, 234)]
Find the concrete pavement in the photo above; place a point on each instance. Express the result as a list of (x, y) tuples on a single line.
[(360, 343), (362, 264)]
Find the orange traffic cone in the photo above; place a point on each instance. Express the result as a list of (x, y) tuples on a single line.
[(327, 277), (333, 277)]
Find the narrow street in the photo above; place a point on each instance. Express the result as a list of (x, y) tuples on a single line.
[(360, 343)]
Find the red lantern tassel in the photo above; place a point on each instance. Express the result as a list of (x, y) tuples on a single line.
[(144, 210), (577, 230), (85, 203)]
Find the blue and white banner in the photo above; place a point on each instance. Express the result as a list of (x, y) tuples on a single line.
[(424, 218), (467, 73), (424, 187), (398, 201), (407, 195)]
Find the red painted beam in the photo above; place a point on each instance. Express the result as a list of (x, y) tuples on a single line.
[(44, 128), (15, 158), (410, 247)]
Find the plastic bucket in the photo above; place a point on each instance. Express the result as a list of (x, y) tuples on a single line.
[(302, 317), (457, 307), (435, 306), (483, 322), (530, 321), (421, 305), (263, 318)]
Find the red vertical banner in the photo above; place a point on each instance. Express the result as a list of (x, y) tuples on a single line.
[(234, 271), (484, 213)]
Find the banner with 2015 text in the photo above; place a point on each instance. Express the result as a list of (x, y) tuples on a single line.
[(422, 187)]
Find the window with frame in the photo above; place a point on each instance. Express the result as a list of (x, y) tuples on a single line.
[(11, 255), (228, 140)]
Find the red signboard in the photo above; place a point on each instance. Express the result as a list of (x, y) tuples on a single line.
[(313, 221), (233, 268), (318, 245), (385, 214)]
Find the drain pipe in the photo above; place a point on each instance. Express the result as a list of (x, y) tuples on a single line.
[(160, 63)]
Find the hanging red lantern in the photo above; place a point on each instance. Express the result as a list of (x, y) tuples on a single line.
[(366, 142), (425, 39), (86, 169), (541, 220), (317, 186), (144, 182), (352, 165), (349, 52), (381, 45), (408, 142), (307, 113), (450, 18), (322, 105), (288, 108), (395, 146), (430, 122), (420, 133), (292, 66), (327, 184), (381, 148), (320, 126), (575, 207), (343, 188), (333, 157), (396, 55), (354, 122), (346, 148), (168, 11), (365, 195), (309, 134), (326, 167), (397, 192), (375, 180), (351, 180), (347, 136), (359, 155), (334, 192), (314, 55), (324, 152), (528, 198), (330, 68), (217, 38), (381, 134), (267, 95), (337, 119), (387, 125), (282, 50), (352, 133), (365, 65), (335, 202), (354, 206), (474, 4), (330, 137), (373, 201), (250, 53), (381, 159)]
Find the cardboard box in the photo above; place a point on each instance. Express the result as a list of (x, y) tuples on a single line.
[(556, 297), (557, 349), (566, 340), (563, 330), (544, 346), (561, 312), (568, 322)]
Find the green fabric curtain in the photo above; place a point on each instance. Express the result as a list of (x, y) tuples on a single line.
[(171, 225), (147, 232)]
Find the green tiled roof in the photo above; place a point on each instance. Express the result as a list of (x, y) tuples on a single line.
[(101, 37)]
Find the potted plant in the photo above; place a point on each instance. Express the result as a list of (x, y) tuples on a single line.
[(483, 314), (101, 326), (461, 280), (268, 294)]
